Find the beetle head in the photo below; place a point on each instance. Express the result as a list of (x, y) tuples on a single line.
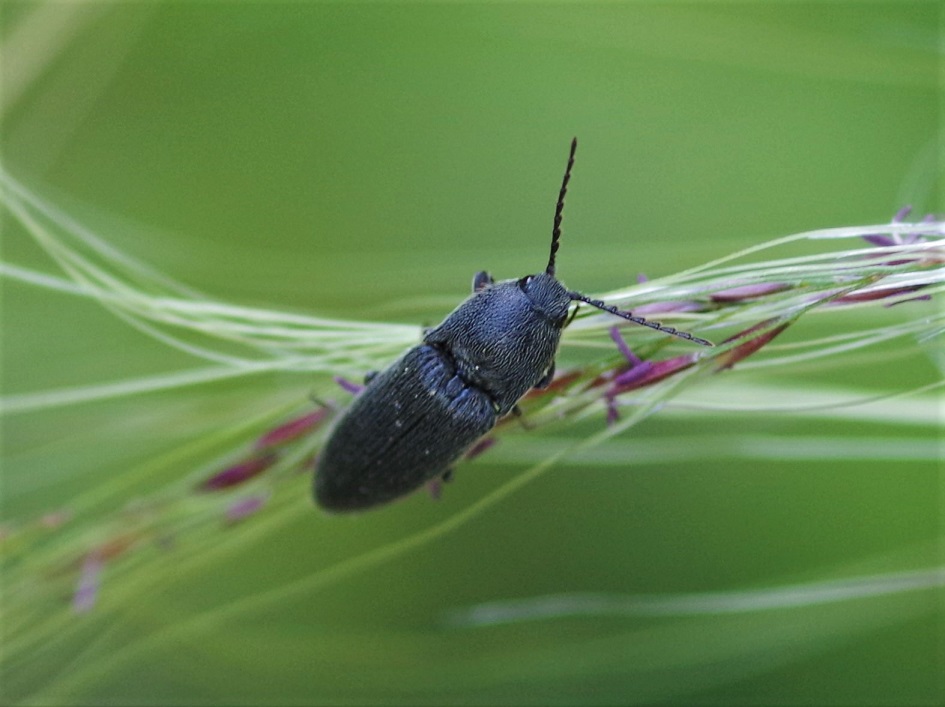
[(547, 295)]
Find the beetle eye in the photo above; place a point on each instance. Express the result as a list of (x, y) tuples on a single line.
[(525, 280)]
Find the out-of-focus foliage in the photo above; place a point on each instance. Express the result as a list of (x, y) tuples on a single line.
[(325, 178)]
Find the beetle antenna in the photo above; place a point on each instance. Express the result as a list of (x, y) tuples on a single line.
[(638, 320), (559, 210)]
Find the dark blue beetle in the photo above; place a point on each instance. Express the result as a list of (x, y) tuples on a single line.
[(414, 420)]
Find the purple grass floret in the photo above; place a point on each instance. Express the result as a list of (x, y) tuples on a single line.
[(640, 373), (892, 239), (882, 239), (243, 508), (239, 473), (86, 590), (348, 386), (293, 429), (882, 293), (902, 214), (655, 372), (55, 519), (628, 379), (624, 347), (612, 413), (479, 447), (647, 373), (751, 343)]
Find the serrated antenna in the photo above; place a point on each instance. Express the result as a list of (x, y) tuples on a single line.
[(630, 317), (559, 210)]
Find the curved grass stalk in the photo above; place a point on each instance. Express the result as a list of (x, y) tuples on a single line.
[(750, 304), (220, 616), (790, 596)]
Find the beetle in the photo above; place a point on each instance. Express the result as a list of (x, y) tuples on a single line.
[(415, 419)]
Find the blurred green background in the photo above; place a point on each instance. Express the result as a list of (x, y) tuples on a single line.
[(362, 161)]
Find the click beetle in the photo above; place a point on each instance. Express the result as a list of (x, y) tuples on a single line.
[(415, 419)]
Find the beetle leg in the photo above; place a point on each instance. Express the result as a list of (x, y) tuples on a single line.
[(517, 411), (435, 486), (546, 379), (481, 280), (573, 315)]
